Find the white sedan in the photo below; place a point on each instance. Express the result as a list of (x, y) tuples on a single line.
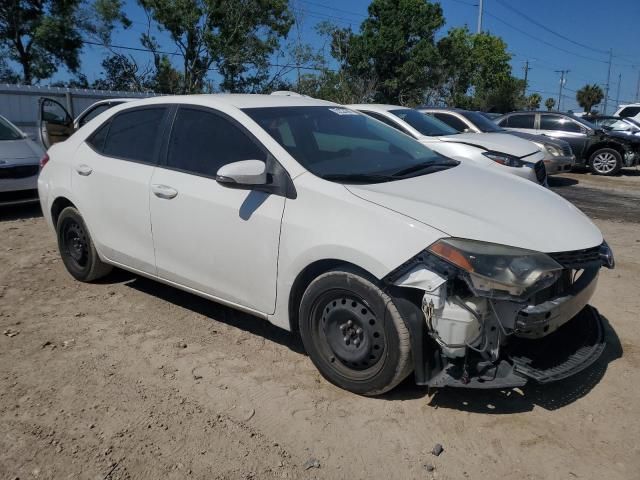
[(499, 151), (386, 257)]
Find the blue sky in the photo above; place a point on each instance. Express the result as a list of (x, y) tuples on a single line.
[(572, 35)]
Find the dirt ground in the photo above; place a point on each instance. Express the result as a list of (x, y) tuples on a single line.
[(131, 379)]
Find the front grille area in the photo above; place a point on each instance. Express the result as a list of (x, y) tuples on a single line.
[(541, 171), (21, 171), (577, 259)]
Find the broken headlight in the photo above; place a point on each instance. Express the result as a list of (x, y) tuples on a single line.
[(498, 271)]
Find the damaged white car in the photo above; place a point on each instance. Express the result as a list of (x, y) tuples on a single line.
[(387, 257)]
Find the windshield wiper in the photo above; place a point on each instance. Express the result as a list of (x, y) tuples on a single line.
[(439, 165), (358, 178)]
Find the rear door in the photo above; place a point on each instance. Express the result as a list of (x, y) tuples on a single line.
[(564, 128), (110, 179), (521, 122), (215, 239), (54, 122)]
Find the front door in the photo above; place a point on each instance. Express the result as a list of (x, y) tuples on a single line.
[(215, 239), (110, 179)]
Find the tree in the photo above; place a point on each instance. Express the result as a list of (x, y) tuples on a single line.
[(237, 36), (533, 102), (589, 96), (504, 97), (396, 49), (43, 35), (549, 103)]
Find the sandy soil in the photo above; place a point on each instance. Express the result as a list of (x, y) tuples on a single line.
[(131, 379)]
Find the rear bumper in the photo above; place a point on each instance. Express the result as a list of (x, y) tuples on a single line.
[(18, 184)]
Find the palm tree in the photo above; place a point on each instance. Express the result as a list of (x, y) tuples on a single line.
[(549, 103), (534, 101), (589, 96)]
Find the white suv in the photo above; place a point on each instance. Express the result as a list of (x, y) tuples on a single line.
[(628, 111), (384, 255)]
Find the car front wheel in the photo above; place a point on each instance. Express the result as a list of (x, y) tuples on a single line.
[(78, 253), (606, 161), (354, 333)]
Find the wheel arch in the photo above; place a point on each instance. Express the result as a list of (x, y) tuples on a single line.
[(306, 276), (618, 147), (59, 204)]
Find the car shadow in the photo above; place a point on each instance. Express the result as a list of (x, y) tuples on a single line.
[(561, 182), (551, 396), (20, 212), (210, 309), (499, 401)]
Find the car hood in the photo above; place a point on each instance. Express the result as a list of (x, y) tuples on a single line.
[(19, 151), (497, 142), (469, 201)]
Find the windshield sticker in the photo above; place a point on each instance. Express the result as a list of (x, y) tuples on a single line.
[(343, 111)]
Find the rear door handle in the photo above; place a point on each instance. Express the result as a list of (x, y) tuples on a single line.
[(164, 191), (84, 170)]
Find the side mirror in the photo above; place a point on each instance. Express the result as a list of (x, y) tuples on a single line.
[(245, 173)]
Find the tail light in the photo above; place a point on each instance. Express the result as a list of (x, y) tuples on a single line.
[(44, 160)]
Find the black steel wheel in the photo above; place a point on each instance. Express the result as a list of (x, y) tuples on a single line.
[(76, 247), (354, 333)]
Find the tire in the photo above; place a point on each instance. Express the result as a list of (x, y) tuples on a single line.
[(354, 333), (605, 161), (77, 250)]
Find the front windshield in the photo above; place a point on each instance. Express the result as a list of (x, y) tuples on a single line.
[(425, 124), (481, 122), (342, 145), (621, 126), (7, 131)]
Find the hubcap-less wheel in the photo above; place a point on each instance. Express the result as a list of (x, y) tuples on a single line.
[(349, 333), (76, 244), (604, 162)]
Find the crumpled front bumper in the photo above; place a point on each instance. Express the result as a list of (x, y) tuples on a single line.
[(551, 341)]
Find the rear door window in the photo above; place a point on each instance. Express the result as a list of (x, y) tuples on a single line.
[(519, 121), (133, 135), (203, 141), (559, 123), (451, 120)]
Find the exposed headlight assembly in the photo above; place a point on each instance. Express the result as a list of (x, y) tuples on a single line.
[(498, 271), (505, 159)]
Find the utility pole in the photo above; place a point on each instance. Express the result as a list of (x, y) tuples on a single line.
[(479, 17), (618, 92), (638, 87), (526, 74), (562, 74), (606, 94)]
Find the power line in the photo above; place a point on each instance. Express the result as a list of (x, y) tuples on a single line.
[(544, 27), (333, 9)]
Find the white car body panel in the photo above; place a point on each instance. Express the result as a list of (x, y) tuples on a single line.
[(235, 233), (246, 249), (115, 205)]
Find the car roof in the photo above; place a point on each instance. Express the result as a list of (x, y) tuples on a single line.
[(375, 107), (238, 100)]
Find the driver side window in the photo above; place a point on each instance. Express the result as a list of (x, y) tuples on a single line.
[(202, 141)]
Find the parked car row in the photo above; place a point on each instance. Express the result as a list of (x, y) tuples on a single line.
[(385, 255)]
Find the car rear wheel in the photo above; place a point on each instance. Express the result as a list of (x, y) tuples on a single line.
[(354, 333), (78, 253), (605, 161)]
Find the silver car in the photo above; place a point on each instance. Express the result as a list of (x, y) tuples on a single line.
[(19, 165)]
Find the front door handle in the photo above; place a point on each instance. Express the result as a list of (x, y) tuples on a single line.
[(84, 170), (164, 191)]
